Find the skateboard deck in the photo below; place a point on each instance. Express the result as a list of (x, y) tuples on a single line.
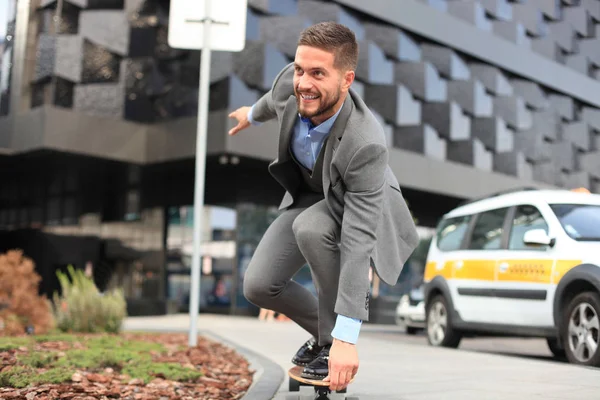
[(321, 388)]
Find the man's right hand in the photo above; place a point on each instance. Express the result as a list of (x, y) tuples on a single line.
[(241, 114)]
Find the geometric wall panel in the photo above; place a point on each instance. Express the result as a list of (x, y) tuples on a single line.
[(472, 97), (104, 100), (499, 9), (576, 180), (547, 123), (591, 116), (448, 120), (512, 31), (590, 162), (562, 105), (563, 155), (493, 133), (448, 63), (112, 58), (283, 32), (373, 67), (577, 133), (108, 29), (394, 103), (422, 79), (278, 7), (531, 17), (395, 43), (99, 65), (318, 11), (421, 139), (546, 47), (258, 64), (513, 163), (512, 109), (471, 152), (532, 144), (546, 172), (580, 20), (69, 52), (472, 12), (492, 78), (564, 35), (46, 53), (530, 92)]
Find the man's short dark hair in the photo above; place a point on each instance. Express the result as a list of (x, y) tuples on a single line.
[(335, 38)]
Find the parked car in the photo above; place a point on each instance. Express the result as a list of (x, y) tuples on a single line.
[(410, 312), (522, 263)]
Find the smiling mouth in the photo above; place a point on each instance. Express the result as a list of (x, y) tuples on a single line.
[(308, 97)]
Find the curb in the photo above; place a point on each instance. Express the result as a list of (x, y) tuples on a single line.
[(268, 376)]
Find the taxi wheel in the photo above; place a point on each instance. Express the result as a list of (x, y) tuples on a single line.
[(581, 329), (439, 325)]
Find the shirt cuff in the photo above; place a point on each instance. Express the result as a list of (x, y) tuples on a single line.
[(253, 122), (346, 329)]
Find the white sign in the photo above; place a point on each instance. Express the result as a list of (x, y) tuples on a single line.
[(227, 28)]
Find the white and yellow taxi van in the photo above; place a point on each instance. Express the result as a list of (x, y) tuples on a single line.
[(521, 263)]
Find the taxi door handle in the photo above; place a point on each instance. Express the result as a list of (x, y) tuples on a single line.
[(458, 264), (503, 267)]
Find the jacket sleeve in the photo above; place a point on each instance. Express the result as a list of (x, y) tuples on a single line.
[(363, 202), (267, 107)]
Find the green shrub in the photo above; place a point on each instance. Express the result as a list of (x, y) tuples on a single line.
[(82, 308)]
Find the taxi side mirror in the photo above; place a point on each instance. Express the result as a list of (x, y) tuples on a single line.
[(537, 237)]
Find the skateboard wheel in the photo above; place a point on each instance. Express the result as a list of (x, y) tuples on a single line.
[(294, 386)]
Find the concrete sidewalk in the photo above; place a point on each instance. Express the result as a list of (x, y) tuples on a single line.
[(395, 370)]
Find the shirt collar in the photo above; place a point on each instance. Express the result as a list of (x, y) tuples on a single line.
[(325, 126)]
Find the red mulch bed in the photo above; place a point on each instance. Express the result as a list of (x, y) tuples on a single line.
[(226, 375)]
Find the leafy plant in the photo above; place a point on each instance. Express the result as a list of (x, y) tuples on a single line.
[(82, 308), (21, 305)]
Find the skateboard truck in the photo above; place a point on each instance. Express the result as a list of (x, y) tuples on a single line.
[(296, 380)]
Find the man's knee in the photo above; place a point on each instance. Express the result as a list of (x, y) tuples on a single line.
[(310, 234), (260, 292)]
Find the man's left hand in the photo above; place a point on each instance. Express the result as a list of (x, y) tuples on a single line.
[(343, 364)]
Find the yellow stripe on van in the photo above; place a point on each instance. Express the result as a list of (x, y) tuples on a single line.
[(562, 267), (431, 271), (480, 270), (519, 270), (526, 270)]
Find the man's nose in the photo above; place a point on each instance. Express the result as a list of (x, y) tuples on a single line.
[(304, 83)]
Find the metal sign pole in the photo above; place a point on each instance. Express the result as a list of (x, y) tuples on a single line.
[(200, 174)]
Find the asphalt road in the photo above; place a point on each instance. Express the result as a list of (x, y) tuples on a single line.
[(397, 366), (526, 348)]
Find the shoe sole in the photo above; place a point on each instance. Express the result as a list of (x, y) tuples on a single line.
[(313, 376)]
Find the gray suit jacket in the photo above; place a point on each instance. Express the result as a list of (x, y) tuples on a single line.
[(361, 191)]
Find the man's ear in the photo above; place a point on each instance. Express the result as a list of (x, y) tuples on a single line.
[(348, 79)]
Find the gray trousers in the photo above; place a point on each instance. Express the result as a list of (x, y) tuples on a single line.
[(298, 236)]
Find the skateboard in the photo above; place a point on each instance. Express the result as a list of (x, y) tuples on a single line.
[(321, 388)]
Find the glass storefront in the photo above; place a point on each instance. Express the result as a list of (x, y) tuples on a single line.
[(229, 239), (8, 12), (218, 251)]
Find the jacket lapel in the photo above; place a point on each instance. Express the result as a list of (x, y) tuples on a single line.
[(333, 141), (290, 113)]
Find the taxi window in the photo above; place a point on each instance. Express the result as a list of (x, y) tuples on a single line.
[(527, 217), (451, 233), (487, 232)]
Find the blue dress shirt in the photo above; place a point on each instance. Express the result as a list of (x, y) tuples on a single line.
[(306, 144)]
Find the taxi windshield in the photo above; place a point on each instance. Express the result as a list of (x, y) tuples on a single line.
[(580, 221)]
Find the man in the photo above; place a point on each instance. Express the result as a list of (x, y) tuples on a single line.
[(343, 209)]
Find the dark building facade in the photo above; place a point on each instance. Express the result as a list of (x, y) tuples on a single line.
[(98, 125)]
